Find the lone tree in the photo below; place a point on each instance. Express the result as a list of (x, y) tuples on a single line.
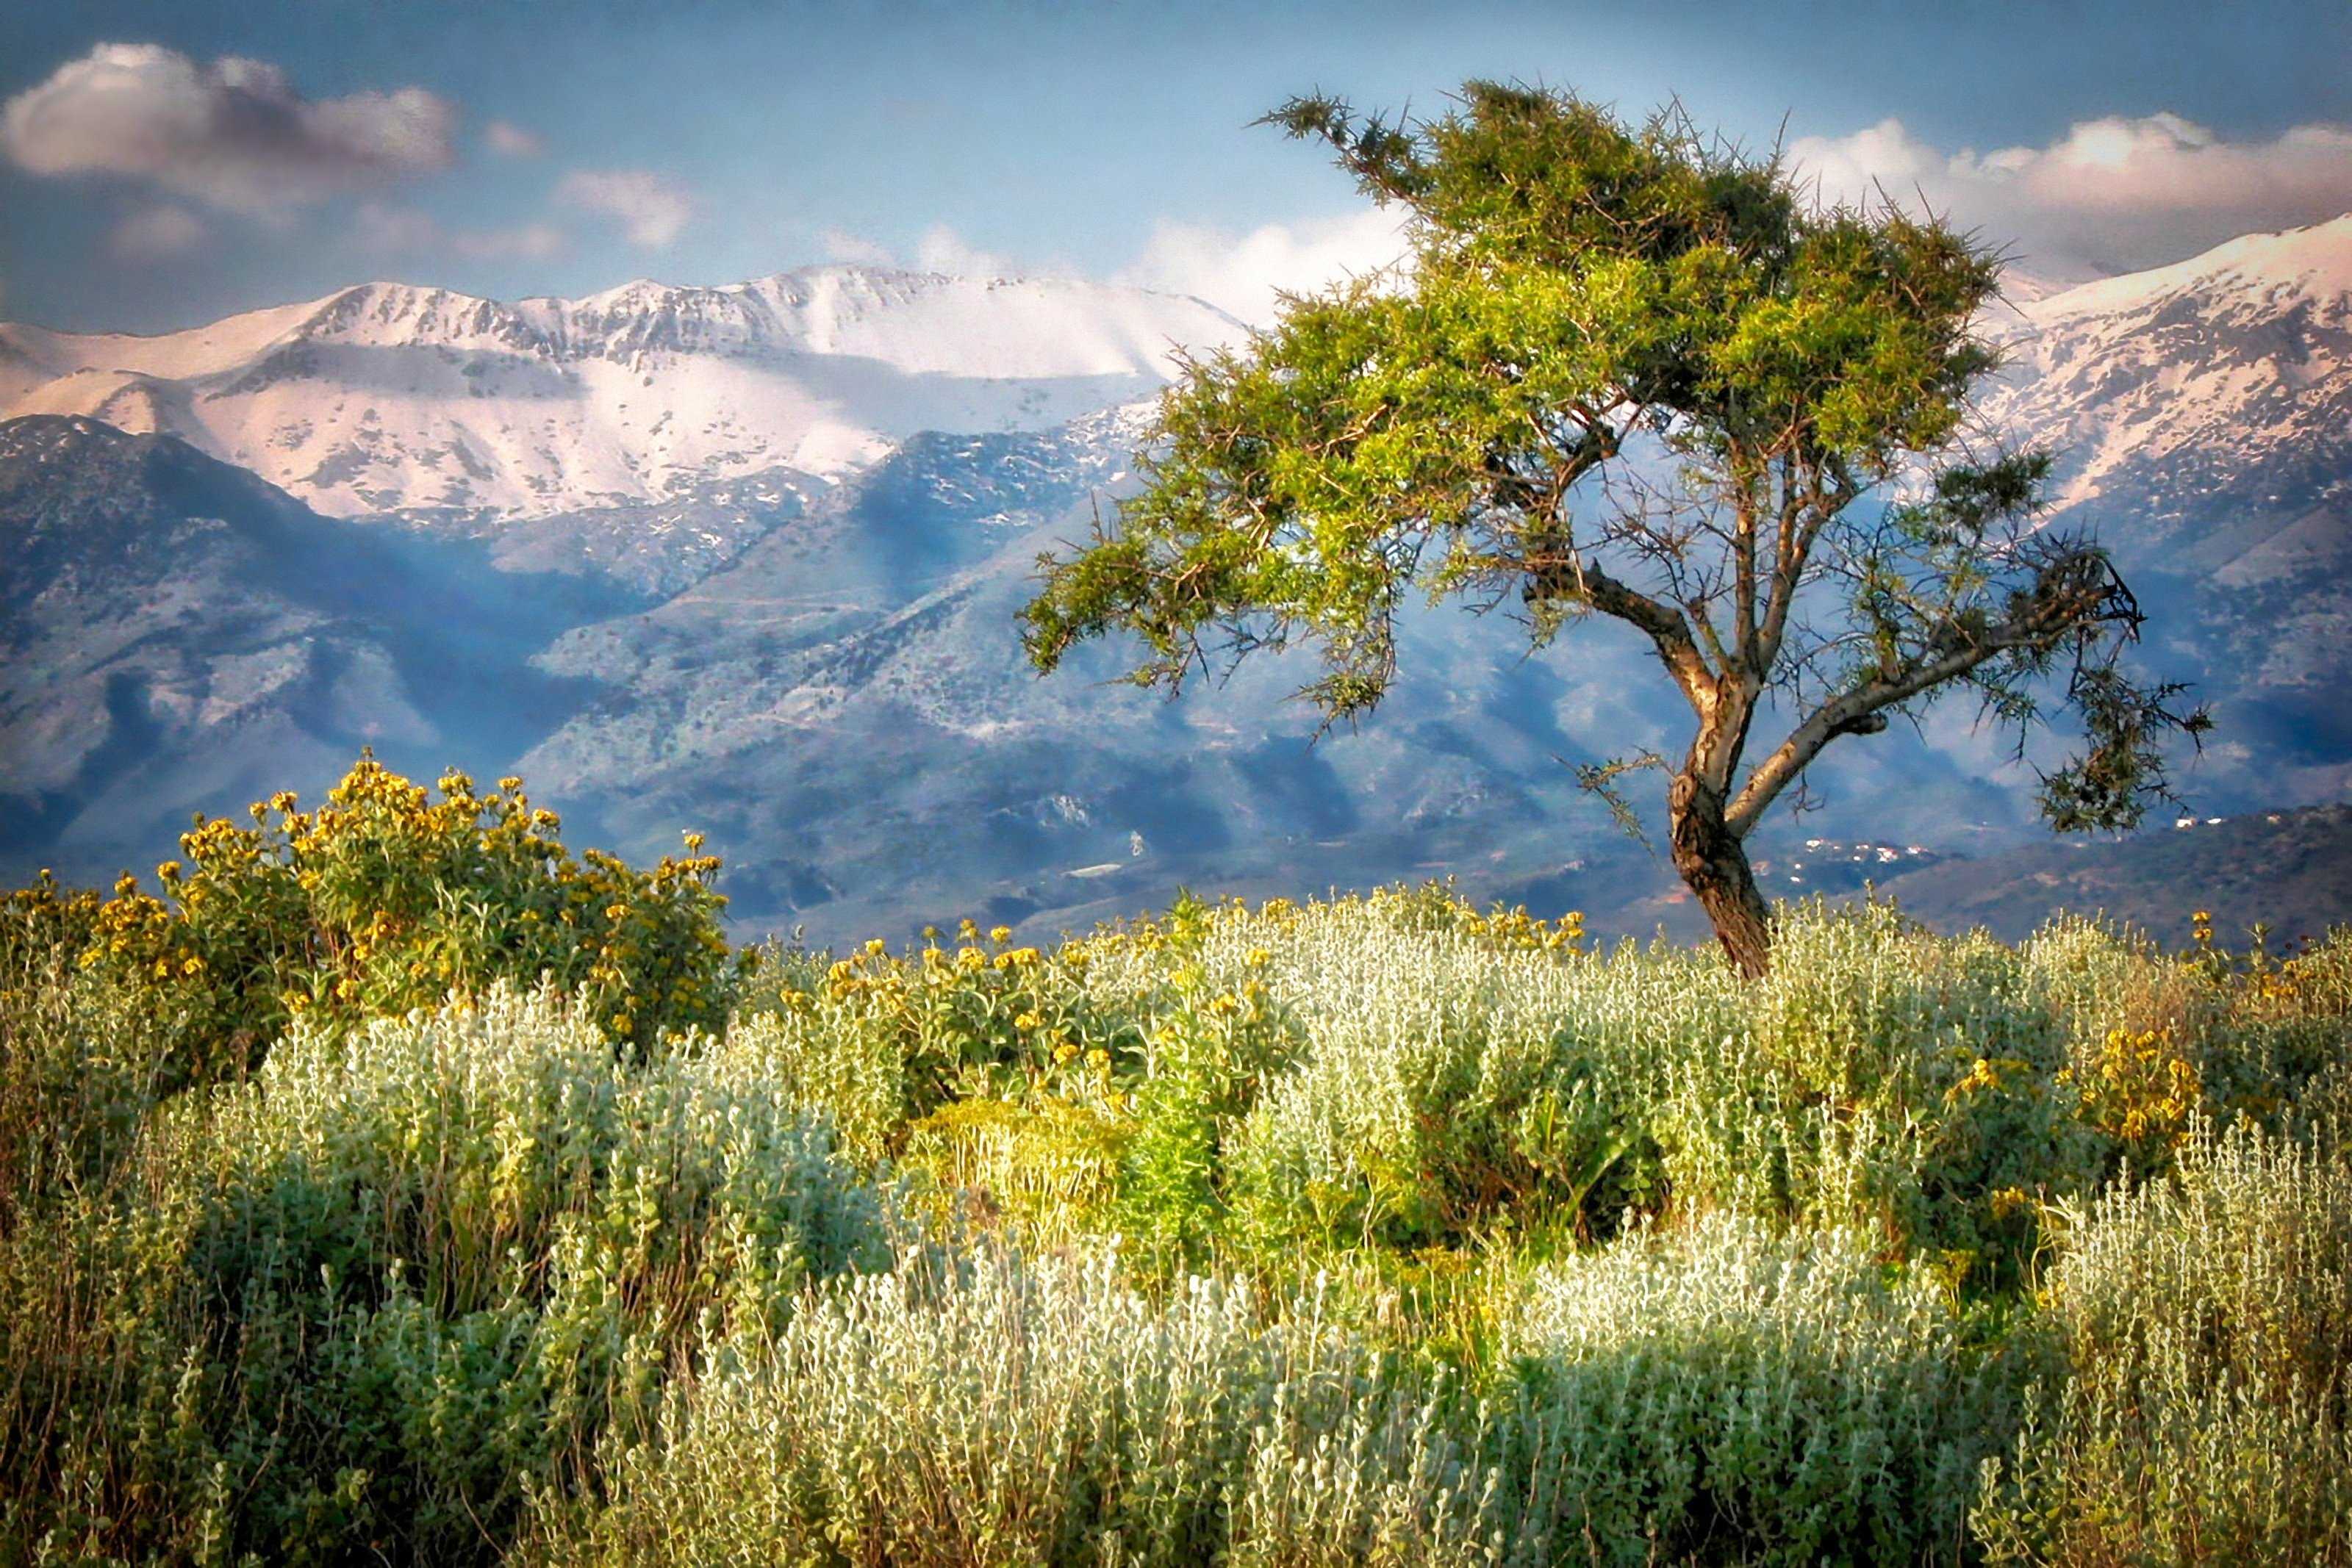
[(1631, 373)]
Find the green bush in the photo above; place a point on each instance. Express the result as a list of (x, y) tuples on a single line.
[(1374, 1229), (975, 1408), (1719, 1395), (83, 1059), (1722, 1397)]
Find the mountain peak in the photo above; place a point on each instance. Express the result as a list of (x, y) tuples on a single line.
[(2313, 263)]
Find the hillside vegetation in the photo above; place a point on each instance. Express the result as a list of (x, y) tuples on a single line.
[(392, 1185)]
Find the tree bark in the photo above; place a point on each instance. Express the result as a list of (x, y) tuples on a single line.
[(1713, 864)]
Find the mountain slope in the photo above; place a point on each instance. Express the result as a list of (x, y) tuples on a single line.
[(819, 665), (177, 635), (2291, 871)]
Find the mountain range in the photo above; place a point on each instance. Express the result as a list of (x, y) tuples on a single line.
[(744, 560)]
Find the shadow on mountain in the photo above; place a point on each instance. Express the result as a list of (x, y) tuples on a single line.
[(182, 637)]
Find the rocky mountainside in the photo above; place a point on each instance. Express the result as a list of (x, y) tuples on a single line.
[(2290, 872), (2201, 415), (800, 641)]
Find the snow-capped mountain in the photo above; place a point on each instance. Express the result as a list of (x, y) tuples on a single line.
[(2228, 374), (385, 398), (2201, 418), (762, 546)]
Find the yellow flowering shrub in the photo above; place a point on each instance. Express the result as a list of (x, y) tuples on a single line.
[(389, 897), (2142, 1091)]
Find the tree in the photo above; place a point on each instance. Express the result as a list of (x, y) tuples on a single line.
[(1630, 371)]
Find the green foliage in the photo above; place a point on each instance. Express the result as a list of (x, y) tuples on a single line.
[(1573, 282), (82, 1061), (1729, 1398), (2207, 1412), (977, 1409), (1723, 1395)]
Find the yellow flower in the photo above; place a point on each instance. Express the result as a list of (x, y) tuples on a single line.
[(1001, 935)]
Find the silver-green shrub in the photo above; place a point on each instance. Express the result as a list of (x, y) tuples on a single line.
[(1720, 1395), (2206, 1413), (367, 1301), (1882, 1076), (975, 1409)]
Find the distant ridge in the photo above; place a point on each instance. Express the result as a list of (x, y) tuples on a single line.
[(2291, 871)]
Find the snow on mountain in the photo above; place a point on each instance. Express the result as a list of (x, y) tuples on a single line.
[(2222, 375), (389, 398)]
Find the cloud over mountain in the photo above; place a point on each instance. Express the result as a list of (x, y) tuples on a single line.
[(2113, 195), (650, 209), (1243, 273), (233, 133), (153, 233)]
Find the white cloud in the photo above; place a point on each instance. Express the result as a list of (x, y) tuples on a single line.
[(1245, 274), (650, 209), (156, 234), (941, 249), (233, 133), (849, 248), (2112, 195), (397, 230), (510, 140), (530, 242), (403, 230)]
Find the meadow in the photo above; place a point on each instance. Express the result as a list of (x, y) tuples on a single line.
[(391, 1186)]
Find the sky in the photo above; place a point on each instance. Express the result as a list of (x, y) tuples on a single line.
[(163, 165)]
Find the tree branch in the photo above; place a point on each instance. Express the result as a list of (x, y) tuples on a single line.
[(2071, 595)]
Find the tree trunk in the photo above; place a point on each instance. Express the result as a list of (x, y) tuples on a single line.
[(1713, 865)]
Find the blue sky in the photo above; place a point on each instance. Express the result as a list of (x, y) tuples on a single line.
[(163, 165)]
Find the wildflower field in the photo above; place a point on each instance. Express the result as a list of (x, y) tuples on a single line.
[(389, 1186)]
